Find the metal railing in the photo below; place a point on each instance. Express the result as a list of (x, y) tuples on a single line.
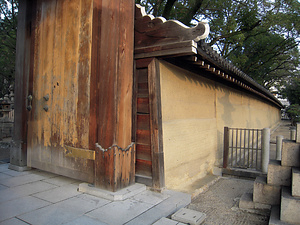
[(242, 148)]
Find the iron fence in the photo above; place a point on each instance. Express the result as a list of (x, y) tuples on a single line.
[(242, 148)]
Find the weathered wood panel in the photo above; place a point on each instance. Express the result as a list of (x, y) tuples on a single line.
[(61, 87)]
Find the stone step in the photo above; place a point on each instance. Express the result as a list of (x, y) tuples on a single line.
[(275, 216), (265, 193), (290, 154), (290, 207), (296, 182), (246, 204), (278, 174)]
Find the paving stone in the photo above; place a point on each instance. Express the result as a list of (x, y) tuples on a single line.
[(2, 187), (14, 173), (120, 212), (64, 211), (296, 182), (265, 193), (151, 197), (59, 194), (290, 154), (24, 190), (13, 221), (290, 207), (61, 181), (85, 220), (166, 221), (120, 195), (278, 174), (20, 180), (20, 206), (4, 167), (4, 176), (189, 216)]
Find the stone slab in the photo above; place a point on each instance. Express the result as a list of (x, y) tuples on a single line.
[(275, 216), (296, 182), (20, 180), (189, 216), (13, 221), (64, 211), (24, 190), (166, 221), (20, 206), (19, 168), (119, 212), (246, 203), (290, 155), (85, 220), (58, 194), (265, 193), (168, 206), (290, 207), (278, 174), (120, 195)]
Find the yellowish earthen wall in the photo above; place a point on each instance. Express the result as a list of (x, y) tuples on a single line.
[(194, 113)]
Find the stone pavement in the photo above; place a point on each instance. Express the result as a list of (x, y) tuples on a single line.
[(37, 197)]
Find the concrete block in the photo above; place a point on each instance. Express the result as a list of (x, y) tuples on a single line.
[(290, 206), (120, 195), (246, 204), (275, 216), (296, 182), (265, 193), (290, 155), (189, 216), (278, 174)]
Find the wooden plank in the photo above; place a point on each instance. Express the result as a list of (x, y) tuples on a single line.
[(95, 70), (143, 105), (226, 147), (143, 152), (143, 137), (156, 126), (143, 122), (143, 167)]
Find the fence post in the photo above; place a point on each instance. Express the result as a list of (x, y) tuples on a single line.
[(293, 133), (279, 139), (265, 147), (226, 147), (298, 133)]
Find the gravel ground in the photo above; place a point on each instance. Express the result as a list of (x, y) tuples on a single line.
[(220, 203)]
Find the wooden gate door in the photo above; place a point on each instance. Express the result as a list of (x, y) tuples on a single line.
[(59, 92)]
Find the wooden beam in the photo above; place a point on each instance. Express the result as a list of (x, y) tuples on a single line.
[(24, 59), (115, 78), (158, 173)]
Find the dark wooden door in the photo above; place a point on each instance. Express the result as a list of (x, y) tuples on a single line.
[(60, 88)]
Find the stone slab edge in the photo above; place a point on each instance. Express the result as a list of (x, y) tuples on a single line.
[(120, 195)]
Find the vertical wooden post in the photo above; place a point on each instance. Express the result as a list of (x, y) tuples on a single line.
[(115, 154), (226, 147), (18, 152)]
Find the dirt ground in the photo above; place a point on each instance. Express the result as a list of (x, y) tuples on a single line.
[(220, 203)]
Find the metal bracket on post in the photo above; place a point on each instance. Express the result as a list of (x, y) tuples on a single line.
[(265, 155)]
